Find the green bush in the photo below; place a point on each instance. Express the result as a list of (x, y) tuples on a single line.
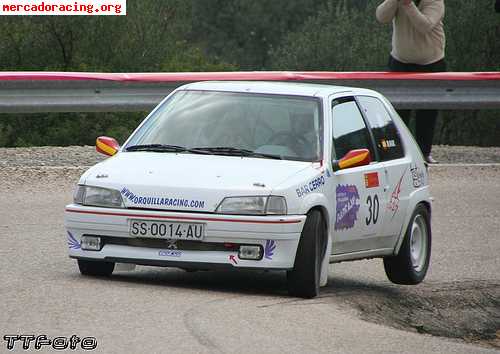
[(63, 129)]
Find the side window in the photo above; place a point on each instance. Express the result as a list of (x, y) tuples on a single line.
[(384, 130), (349, 128)]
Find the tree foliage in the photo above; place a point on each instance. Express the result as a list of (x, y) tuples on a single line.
[(221, 35), (340, 37)]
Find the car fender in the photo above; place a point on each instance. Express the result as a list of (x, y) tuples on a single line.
[(320, 201), (418, 196)]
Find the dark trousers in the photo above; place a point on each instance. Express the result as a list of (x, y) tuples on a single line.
[(425, 118)]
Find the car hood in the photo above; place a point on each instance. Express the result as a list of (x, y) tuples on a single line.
[(188, 182)]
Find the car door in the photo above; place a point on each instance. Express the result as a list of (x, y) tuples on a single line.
[(359, 194), (397, 167)]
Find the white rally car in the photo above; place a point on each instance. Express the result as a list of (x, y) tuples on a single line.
[(259, 175)]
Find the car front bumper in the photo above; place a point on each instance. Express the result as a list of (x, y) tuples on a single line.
[(278, 235)]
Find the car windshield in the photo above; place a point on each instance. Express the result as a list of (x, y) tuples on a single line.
[(228, 123)]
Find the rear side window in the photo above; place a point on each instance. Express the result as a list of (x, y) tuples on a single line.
[(384, 130), (349, 128)]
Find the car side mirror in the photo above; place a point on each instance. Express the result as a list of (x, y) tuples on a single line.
[(106, 145), (354, 158)]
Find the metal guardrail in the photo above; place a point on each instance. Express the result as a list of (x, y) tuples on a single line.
[(36, 92)]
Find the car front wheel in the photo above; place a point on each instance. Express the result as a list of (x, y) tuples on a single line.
[(96, 268), (303, 280), (410, 266)]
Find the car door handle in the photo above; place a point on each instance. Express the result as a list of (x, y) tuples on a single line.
[(386, 186)]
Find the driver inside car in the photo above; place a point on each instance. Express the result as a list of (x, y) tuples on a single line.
[(304, 133), (300, 138)]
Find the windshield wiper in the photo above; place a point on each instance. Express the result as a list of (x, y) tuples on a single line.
[(156, 148), (218, 150), (232, 151)]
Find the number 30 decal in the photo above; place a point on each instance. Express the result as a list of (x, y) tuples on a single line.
[(373, 208)]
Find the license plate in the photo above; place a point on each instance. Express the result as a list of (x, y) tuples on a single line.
[(167, 230)]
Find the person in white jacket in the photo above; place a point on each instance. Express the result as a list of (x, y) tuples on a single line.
[(418, 45)]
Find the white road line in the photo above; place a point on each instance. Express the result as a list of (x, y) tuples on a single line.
[(465, 165)]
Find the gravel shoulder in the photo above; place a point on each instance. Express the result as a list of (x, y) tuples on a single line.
[(73, 156)]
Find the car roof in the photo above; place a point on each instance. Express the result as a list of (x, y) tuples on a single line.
[(273, 87)]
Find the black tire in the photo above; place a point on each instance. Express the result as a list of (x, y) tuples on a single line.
[(303, 280), (402, 269), (96, 268)]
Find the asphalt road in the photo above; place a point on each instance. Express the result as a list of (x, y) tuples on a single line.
[(155, 310)]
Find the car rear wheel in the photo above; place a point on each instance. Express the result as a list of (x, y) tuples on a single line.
[(96, 268), (410, 266), (303, 280)]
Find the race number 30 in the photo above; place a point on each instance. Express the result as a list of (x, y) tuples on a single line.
[(373, 209)]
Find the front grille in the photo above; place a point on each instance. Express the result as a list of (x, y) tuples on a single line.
[(162, 243)]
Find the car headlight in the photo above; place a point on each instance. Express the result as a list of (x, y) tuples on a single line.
[(257, 205), (97, 196)]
